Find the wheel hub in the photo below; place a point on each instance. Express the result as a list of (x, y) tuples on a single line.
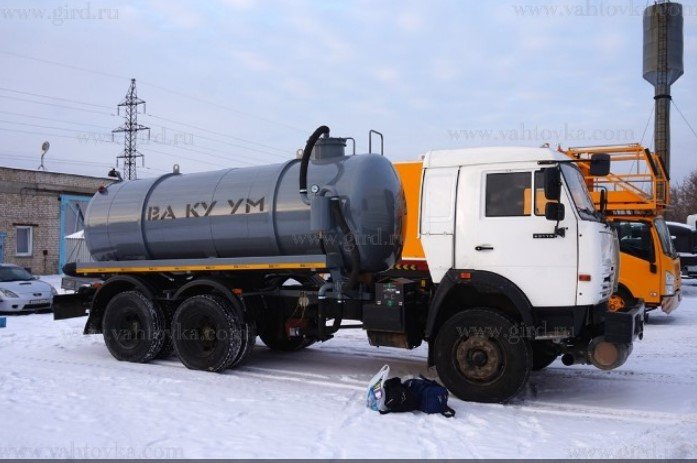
[(130, 330), (479, 358)]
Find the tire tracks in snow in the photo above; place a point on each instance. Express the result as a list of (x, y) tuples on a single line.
[(325, 381)]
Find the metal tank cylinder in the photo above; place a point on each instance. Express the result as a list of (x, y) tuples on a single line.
[(663, 43), (249, 212)]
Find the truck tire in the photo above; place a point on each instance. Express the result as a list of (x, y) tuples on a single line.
[(167, 347), (208, 333), (480, 356), (543, 354), (249, 342), (134, 327)]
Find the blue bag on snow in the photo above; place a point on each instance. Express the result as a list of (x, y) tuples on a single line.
[(432, 397)]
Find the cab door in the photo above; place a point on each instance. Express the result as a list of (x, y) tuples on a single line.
[(437, 220), (501, 228)]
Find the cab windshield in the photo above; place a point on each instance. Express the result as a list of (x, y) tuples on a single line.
[(664, 236), (579, 192)]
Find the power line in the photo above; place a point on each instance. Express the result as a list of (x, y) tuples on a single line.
[(68, 161), (224, 158), (150, 150), (648, 122), (220, 134), (159, 87), (284, 154), (55, 105), (43, 126), (684, 119), (4, 89), (37, 133), (72, 137), (53, 119)]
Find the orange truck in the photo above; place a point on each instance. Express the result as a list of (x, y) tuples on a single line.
[(633, 198)]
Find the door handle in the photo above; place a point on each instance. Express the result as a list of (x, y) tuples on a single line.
[(484, 247)]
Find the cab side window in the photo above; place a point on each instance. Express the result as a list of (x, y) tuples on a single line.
[(508, 194), (635, 239)]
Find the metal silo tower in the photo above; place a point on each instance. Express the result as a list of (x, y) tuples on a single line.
[(663, 65)]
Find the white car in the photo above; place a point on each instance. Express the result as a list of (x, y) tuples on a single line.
[(22, 292)]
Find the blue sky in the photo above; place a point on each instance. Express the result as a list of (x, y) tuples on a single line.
[(259, 76)]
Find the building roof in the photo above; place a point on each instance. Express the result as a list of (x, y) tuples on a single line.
[(52, 173)]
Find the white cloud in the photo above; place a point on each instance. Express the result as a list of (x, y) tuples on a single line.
[(387, 75), (240, 4), (444, 69), (251, 60), (410, 21)]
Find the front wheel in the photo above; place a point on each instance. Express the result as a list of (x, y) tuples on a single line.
[(481, 357)]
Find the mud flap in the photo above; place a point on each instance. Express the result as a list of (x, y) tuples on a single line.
[(70, 306), (625, 327)]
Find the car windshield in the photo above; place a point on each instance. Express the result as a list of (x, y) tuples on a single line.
[(14, 274), (579, 192), (664, 235)]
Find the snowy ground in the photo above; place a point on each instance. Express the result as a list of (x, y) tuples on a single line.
[(63, 395)]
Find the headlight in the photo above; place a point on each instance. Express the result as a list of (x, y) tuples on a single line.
[(670, 284), (7, 293), (53, 291)]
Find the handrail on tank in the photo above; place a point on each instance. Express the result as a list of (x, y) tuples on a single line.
[(370, 142), (353, 141)]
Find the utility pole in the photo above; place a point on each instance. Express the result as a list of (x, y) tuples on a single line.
[(130, 129)]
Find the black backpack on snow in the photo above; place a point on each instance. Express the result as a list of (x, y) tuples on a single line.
[(416, 394), (398, 397)]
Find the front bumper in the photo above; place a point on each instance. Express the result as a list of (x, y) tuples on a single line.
[(21, 304), (670, 303), (625, 327)]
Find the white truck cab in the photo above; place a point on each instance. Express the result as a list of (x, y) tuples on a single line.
[(479, 212)]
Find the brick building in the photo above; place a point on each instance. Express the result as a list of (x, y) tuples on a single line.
[(37, 210)]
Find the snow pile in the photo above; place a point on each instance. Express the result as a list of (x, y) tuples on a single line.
[(64, 396)]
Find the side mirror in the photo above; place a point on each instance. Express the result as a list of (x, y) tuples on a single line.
[(555, 212), (603, 202), (552, 184), (600, 165)]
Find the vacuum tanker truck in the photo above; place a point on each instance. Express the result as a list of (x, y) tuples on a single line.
[(454, 250)]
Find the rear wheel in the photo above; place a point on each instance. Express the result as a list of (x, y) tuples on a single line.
[(208, 333), (167, 347), (480, 356), (133, 327), (543, 354)]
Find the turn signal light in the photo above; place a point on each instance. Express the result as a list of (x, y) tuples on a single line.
[(584, 277), (465, 275)]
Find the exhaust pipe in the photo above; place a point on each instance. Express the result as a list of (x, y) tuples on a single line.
[(576, 358), (600, 353)]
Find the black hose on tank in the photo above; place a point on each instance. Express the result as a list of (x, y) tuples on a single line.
[(321, 130), (351, 239)]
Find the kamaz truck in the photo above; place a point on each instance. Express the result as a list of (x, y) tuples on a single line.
[(457, 252)]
